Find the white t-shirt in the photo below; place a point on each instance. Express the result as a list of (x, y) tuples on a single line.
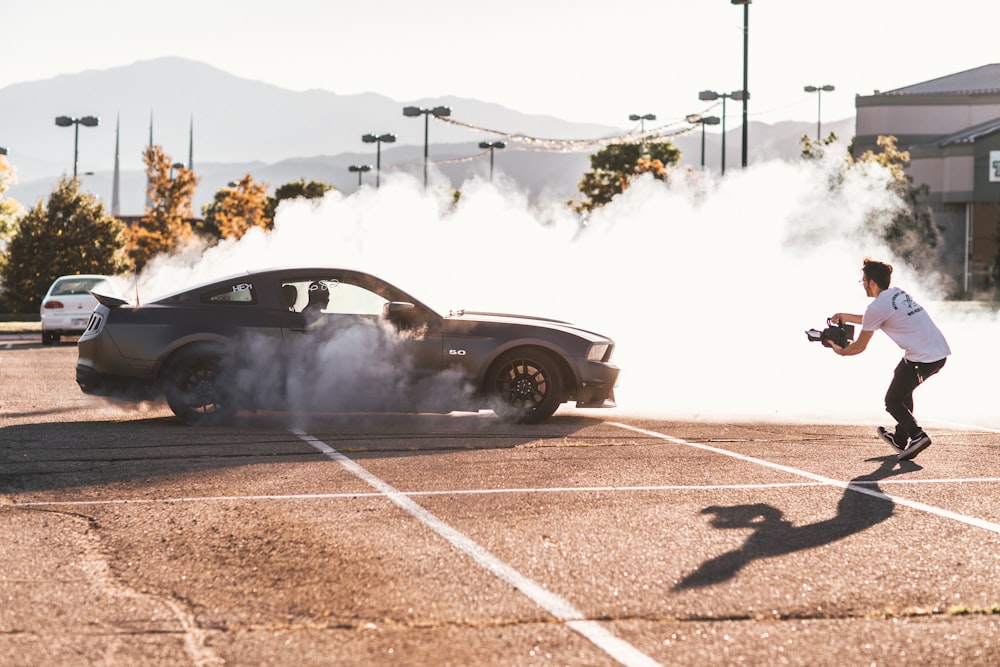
[(907, 324)]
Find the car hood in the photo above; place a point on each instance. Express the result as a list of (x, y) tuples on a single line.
[(524, 320)]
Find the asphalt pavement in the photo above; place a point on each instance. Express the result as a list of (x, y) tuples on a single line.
[(596, 538)]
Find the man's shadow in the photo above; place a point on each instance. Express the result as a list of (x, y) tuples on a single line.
[(775, 536)]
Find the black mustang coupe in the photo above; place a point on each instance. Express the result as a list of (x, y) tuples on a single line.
[(327, 339)]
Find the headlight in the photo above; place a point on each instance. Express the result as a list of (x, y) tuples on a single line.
[(597, 352)]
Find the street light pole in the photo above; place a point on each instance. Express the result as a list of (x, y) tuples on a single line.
[(66, 121), (711, 95), (360, 168), (746, 53), (377, 139), (642, 120), (437, 112), (642, 127), (703, 121), (819, 104), (491, 145)]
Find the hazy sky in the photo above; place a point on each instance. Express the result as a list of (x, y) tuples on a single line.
[(582, 60)]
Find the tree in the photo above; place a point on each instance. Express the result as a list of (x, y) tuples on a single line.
[(909, 232), (234, 210), (813, 148), (10, 209), (73, 233), (167, 222), (615, 165), (295, 190)]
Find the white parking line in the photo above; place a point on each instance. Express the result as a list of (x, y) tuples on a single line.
[(616, 648), (490, 492), (852, 486), (967, 427)]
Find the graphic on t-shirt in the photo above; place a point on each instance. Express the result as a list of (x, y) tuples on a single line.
[(912, 307)]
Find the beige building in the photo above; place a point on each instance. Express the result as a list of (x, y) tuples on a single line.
[(951, 127)]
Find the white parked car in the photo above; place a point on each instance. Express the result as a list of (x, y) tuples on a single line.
[(67, 305)]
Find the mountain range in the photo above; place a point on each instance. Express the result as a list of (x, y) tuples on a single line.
[(228, 126)]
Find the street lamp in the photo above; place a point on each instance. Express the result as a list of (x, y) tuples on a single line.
[(66, 121), (437, 112), (377, 139), (360, 168), (175, 165), (491, 145), (703, 121), (746, 51), (711, 95), (642, 120), (819, 103)]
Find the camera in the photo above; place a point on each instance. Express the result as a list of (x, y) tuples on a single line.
[(841, 334)]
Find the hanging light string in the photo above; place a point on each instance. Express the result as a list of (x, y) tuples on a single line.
[(522, 142), (528, 143)]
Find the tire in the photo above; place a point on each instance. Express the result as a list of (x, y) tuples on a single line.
[(49, 338), (525, 386), (196, 388)]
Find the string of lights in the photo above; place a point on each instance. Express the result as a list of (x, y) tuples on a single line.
[(529, 143), (522, 142)]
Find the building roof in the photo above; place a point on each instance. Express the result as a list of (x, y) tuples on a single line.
[(970, 134), (983, 80)]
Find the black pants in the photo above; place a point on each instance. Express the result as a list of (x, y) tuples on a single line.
[(899, 399)]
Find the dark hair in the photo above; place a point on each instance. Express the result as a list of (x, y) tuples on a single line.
[(878, 272)]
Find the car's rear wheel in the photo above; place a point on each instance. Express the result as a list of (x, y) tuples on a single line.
[(49, 338), (196, 388), (526, 385)]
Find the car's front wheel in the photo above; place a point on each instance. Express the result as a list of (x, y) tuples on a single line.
[(196, 389), (526, 385)]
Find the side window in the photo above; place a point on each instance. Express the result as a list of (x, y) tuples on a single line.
[(329, 295), (238, 293)]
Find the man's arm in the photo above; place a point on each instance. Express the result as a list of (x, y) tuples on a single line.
[(856, 347), (849, 318)]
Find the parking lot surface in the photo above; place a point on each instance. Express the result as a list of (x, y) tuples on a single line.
[(596, 538)]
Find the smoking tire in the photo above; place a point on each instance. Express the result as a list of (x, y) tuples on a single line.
[(196, 389), (526, 385)]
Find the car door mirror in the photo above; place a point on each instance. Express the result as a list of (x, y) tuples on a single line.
[(400, 313)]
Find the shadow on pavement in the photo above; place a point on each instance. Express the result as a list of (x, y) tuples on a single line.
[(775, 536), (53, 456)]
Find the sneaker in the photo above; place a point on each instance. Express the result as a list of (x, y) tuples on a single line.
[(918, 443), (890, 438)]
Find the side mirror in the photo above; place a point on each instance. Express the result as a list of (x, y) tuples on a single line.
[(401, 313)]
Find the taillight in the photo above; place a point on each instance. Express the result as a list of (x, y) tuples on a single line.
[(51, 305), (96, 324)]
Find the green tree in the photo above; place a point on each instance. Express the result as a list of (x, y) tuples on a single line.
[(10, 209), (614, 166), (167, 222), (234, 210), (813, 148), (909, 232), (295, 190), (73, 233)]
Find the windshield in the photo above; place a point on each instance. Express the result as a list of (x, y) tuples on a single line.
[(68, 286)]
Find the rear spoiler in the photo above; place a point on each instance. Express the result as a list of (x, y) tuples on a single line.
[(109, 301)]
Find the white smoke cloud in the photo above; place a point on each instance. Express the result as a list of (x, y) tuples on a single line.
[(706, 284)]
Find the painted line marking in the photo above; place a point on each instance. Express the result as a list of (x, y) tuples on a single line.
[(967, 427), (490, 492), (852, 486), (616, 648)]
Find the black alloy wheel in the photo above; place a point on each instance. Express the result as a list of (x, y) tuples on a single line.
[(527, 385)]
